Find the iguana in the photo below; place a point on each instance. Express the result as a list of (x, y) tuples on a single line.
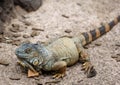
[(62, 52)]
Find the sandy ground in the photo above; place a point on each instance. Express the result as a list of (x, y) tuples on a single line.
[(55, 16)]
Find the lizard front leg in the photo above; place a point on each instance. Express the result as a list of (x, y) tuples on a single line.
[(87, 66), (60, 67), (85, 59)]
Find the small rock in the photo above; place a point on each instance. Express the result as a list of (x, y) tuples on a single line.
[(79, 81), (52, 82), (65, 16), (47, 36), (4, 62), (113, 56), (16, 35), (15, 25), (117, 44), (118, 54), (16, 42), (34, 33), (37, 29), (15, 77), (6, 38), (8, 41), (14, 29), (78, 4), (118, 59), (26, 22), (98, 44), (68, 31), (26, 36)]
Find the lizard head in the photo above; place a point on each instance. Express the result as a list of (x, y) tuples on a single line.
[(30, 55)]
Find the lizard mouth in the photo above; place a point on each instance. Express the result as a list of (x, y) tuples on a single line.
[(26, 65)]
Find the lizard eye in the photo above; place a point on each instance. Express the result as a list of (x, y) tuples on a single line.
[(28, 50), (35, 62)]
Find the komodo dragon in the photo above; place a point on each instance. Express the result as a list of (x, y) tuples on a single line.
[(61, 53)]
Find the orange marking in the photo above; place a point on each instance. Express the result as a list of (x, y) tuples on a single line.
[(90, 37), (97, 33), (115, 20), (84, 41), (107, 28)]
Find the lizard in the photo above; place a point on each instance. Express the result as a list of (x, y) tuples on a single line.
[(62, 52)]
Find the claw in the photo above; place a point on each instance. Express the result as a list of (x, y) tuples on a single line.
[(91, 73), (59, 75), (85, 66), (89, 69)]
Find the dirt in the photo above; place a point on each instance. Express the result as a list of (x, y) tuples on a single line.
[(56, 16)]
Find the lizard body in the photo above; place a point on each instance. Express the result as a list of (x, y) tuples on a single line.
[(62, 53)]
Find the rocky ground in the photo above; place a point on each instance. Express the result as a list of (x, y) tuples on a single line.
[(56, 18)]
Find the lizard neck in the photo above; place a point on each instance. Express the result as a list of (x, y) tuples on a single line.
[(48, 59)]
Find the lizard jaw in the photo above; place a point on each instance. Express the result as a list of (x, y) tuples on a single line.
[(26, 65)]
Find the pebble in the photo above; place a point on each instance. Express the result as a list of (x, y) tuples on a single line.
[(34, 33), (68, 31), (8, 41), (26, 36), (15, 25), (37, 29), (47, 36), (113, 56), (65, 16), (16, 42), (4, 62), (117, 44), (26, 22), (118, 54), (16, 35), (98, 44), (79, 4), (14, 29), (116, 57), (52, 82), (15, 77)]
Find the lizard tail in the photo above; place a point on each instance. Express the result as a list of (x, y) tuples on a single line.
[(96, 33)]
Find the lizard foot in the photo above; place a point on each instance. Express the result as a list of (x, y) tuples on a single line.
[(60, 74), (89, 69)]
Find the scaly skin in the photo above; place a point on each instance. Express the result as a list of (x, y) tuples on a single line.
[(61, 53)]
